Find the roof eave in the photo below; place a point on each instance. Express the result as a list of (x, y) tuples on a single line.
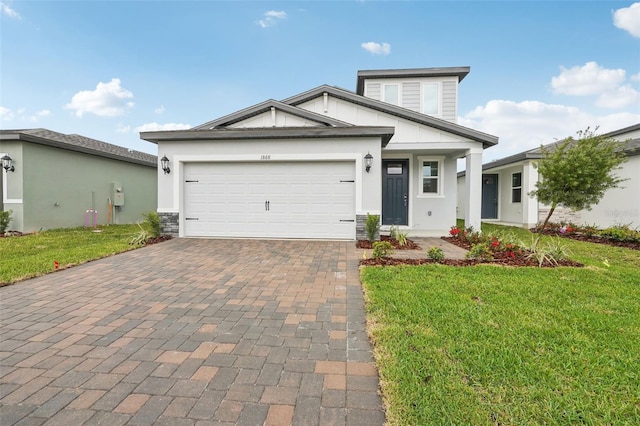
[(385, 133), (62, 145), (486, 139)]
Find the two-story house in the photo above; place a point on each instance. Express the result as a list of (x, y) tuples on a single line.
[(315, 164)]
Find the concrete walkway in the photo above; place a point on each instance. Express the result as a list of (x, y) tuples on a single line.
[(192, 332)]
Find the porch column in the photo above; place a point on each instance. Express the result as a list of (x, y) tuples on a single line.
[(473, 188)]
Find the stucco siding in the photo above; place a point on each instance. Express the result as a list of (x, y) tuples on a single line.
[(282, 151), (60, 185), (619, 205)]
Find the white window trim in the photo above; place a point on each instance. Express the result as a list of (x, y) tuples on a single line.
[(516, 187), (438, 84), (383, 93), (439, 194)]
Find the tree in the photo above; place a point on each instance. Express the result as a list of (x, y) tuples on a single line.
[(577, 172)]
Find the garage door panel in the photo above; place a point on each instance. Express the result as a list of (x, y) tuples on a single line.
[(305, 200)]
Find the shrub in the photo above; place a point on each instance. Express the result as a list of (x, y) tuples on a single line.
[(454, 231), (5, 219), (382, 249), (589, 230), (401, 237), (140, 237), (152, 220), (435, 253), (372, 226), (479, 251), (621, 233)]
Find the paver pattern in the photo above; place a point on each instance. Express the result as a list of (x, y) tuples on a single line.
[(192, 332)]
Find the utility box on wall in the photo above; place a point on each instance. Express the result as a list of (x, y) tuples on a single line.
[(118, 194), (118, 199)]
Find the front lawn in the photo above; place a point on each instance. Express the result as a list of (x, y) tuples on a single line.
[(489, 345), (35, 254)]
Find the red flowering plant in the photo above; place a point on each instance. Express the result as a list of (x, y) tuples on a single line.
[(454, 231)]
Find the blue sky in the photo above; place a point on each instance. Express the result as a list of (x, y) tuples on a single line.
[(108, 69)]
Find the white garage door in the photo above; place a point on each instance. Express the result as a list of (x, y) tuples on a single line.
[(272, 200)]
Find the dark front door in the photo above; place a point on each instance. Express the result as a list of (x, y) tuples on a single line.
[(395, 192), (489, 197)]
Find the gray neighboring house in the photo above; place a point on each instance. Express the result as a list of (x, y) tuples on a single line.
[(59, 181), (507, 181)]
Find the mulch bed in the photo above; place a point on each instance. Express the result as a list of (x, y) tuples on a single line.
[(12, 234), (499, 259), (410, 245), (590, 239), (156, 240)]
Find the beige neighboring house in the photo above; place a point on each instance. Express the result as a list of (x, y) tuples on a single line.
[(507, 181), (56, 180), (315, 164)]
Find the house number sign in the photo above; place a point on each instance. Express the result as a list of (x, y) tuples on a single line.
[(265, 157)]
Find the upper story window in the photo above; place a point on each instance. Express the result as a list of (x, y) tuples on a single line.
[(391, 94), (431, 98), (516, 188), (430, 176)]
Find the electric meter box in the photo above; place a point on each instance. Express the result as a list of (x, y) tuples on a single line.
[(118, 199)]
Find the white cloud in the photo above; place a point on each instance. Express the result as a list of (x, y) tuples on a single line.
[(122, 128), (628, 19), (635, 77), (271, 18), (108, 100), (152, 127), (5, 9), (619, 98), (6, 114), (529, 124), (159, 110), (377, 48), (589, 79), (592, 79)]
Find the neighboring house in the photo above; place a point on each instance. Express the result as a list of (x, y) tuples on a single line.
[(506, 183), (57, 178), (315, 164)]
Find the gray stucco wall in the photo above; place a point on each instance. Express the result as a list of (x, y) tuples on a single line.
[(58, 186)]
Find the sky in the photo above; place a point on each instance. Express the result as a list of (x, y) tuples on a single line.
[(540, 70)]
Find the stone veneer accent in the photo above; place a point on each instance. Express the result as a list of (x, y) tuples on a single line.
[(361, 230), (169, 224)]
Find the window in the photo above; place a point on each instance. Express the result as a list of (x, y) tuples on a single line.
[(516, 188), (431, 98), (430, 176), (391, 94), (394, 168)]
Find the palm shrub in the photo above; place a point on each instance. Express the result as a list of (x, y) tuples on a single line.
[(152, 220)]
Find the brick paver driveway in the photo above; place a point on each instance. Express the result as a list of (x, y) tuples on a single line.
[(192, 332)]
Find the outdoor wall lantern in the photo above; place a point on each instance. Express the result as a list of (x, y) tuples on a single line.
[(7, 164), (368, 161), (164, 161)]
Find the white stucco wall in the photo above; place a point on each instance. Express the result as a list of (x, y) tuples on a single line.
[(619, 205), (347, 149)]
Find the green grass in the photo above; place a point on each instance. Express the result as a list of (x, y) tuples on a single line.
[(34, 255), (492, 345)]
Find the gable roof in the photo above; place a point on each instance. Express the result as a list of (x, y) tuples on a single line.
[(460, 72), (266, 106), (631, 148), (427, 120), (80, 143)]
